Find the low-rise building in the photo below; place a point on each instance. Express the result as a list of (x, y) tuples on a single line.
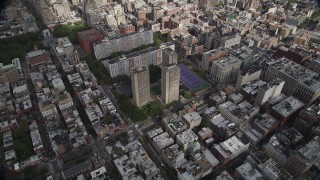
[(231, 148), (64, 101), (99, 174), (287, 109), (97, 120), (265, 124), (174, 124), (247, 171), (135, 164), (217, 98), (186, 138), (239, 114), (279, 145), (10, 155), (47, 109), (235, 98), (35, 59), (154, 132), (192, 119), (11, 73), (7, 139), (35, 137), (205, 133), (224, 176), (162, 141), (222, 125), (271, 170)]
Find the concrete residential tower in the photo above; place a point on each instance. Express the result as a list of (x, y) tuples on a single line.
[(140, 86), (170, 78), (169, 56)]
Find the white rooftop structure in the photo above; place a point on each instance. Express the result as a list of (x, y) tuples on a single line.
[(11, 154), (35, 53), (98, 173), (193, 119), (162, 141), (154, 132), (185, 138), (248, 172)]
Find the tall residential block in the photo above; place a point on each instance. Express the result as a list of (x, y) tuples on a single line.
[(124, 64), (169, 56), (140, 86), (127, 43), (170, 78)]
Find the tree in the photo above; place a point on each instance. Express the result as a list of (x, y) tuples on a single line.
[(121, 79), (315, 14), (18, 46), (69, 30), (304, 24), (159, 38), (155, 73), (136, 114), (22, 143), (153, 109), (188, 94), (155, 90), (98, 69)]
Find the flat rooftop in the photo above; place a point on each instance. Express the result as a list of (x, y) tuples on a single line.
[(296, 71), (288, 106), (228, 61)]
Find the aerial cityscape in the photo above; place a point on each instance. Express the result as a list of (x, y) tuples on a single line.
[(160, 89)]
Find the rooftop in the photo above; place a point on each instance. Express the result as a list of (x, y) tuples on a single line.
[(35, 53), (96, 174), (154, 132), (187, 136), (230, 146), (311, 150), (15, 64), (265, 121), (248, 172), (90, 34), (227, 62), (224, 176), (65, 42), (242, 111), (301, 74), (221, 122), (77, 168), (163, 140), (288, 106), (284, 140), (138, 53), (193, 116)]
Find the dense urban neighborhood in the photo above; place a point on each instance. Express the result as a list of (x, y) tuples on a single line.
[(160, 89)]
